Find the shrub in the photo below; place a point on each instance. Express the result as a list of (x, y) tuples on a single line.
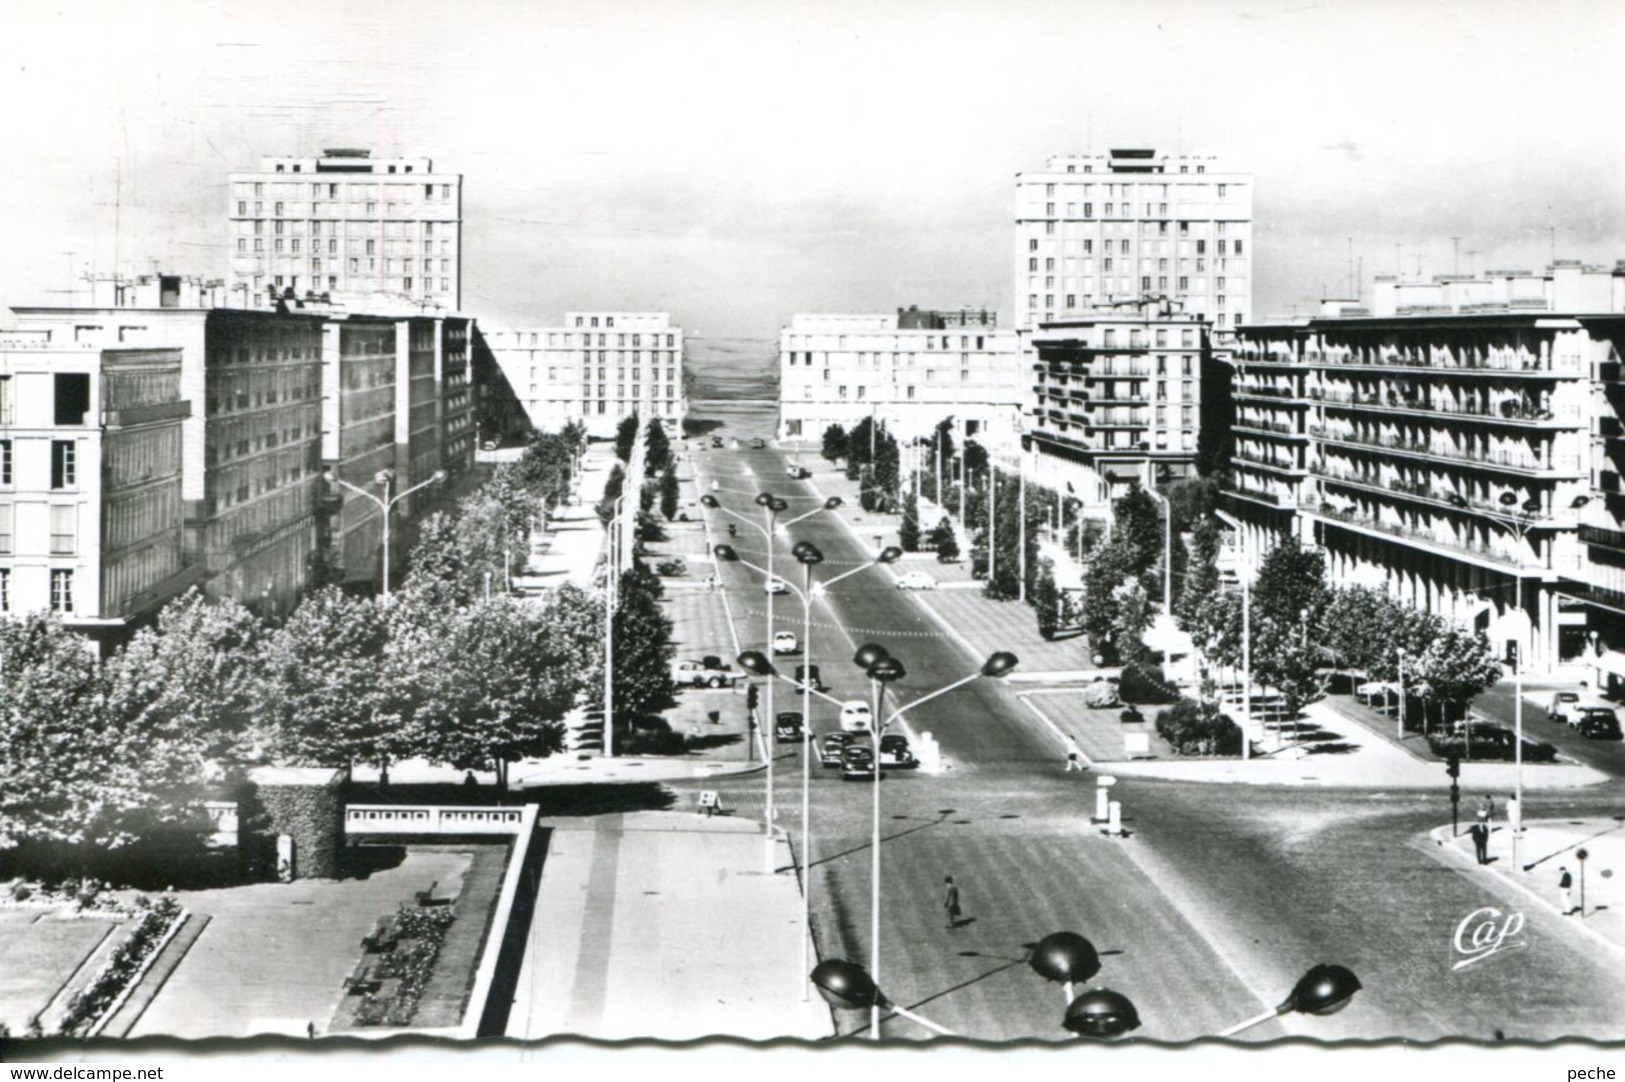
[(93, 999), (1100, 694), (1144, 684), (1198, 728)]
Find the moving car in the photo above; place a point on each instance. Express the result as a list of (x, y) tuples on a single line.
[(787, 727), (694, 674), (858, 763), (807, 677), (1562, 706), (798, 473), (716, 441), (829, 752), (775, 585), (1598, 723), (856, 716), (894, 752), (916, 580), (758, 443), (785, 642)]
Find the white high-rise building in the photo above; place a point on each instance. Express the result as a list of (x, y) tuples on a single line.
[(350, 226), (1097, 229)]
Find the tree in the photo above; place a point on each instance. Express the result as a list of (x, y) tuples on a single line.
[(862, 437), (669, 494), (326, 695), (1138, 530), (834, 443), (1291, 585), (494, 682), (1005, 581), (643, 644), (1201, 580), (79, 777), (887, 477), (626, 434), (1046, 600), (908, 531), (612, 492), (1198, 728), (1456, 666), (657, 454), (942, 539)]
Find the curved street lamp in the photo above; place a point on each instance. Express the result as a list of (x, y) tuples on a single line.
[(847, 986), (386, 503), (1066, 958), (1325, 989), (1101, 1013), (1520, 525)]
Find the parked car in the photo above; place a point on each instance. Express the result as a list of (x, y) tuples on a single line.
[(916, 580), (716, 441), (712, 661), (1562, 706), (693, 674), (672, 568), (858, 763), (758, 443), (807, 677), (829, 752), (785, 642), (775, 585), (894, 752), (1598, 723), (787, 727), (856, 717)]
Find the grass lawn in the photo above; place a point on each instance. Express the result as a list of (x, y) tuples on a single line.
[(41, 954)]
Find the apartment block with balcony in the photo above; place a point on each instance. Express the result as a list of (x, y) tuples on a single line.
[(91, 515), (1117, 398), (911, 370), (1446, 457), (596, 368)]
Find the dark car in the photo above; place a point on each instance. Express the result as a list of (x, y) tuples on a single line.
[(894, 752), (798, 473), (787, 727), (858, 763), (807, 676), (758, 443), (834, 744), (716, 441), (1599, 723)]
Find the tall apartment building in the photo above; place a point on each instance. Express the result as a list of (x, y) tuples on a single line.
[(1117, 398), (1450, 453), (1095, 229), (276, 398), (347, 225), (90, 482), (596, 368), (912, 370)]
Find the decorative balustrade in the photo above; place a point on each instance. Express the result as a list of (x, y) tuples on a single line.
[(431, 819)]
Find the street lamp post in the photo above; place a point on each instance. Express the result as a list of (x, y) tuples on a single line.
[(612, 594), (882, 668), (1325, 989), (386, 503), (1520, 526)]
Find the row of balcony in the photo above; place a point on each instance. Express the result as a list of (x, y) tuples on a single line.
[(1259, 424), (1445, 541), (1508, 411), (1512, 461), (1494, 363), (1419, 491)]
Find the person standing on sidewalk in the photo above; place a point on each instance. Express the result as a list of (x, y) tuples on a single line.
[(950, 902), (1074, 756), (1486, 809), (1565, 883), (1481, 841)]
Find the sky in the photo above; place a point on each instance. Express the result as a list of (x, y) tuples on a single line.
[(735, 163)]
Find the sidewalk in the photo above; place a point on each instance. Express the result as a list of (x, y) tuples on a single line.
[(1549, 846), (639, 932)]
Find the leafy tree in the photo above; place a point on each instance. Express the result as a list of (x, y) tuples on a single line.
[(1137, 528), (1201, 579), (887, 477), (1046, 600), (626, 435), (647, 495), (643, 644), (834, 443), (669, 494), (1457, 665), (975, 459), (1193, 500), (1291, 585), (862, 443), (1132, 620), (612, 492), (1198, 728), (908, 531), (942, 539), (657, 454), (1005, 582), (326, 695)]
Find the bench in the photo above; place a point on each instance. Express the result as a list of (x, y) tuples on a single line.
[(426, 897)]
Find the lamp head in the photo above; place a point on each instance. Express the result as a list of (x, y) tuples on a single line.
[(886, 670), (1101, 1013), (725, 553), (833, 502), (1000, 663), (330, 477), (1065, 957), (710, 501), (845, 985), (383, 477), (778, 504), (808, 553), (439, 475), (889, 555), (868, 654), (1325, 989), (755, 662), (764, 499)]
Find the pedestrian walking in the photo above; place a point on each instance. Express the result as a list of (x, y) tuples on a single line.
[(1486, 809), (1565, 883), (950, 902), (1074, 756), (1481, 841)]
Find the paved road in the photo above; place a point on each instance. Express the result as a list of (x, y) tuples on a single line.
[(1211, 909), (1607, 756)]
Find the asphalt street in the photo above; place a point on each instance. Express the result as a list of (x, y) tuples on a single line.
[(1219, 898)]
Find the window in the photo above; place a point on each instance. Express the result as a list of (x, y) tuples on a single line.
[(72, 397), (296, 246), (1238, 247), (61, 591), (5, 529), (64, 530), (242, 207), (1221, 191), (242, 244), (1032, 246), (5, 589), (1201, 247), (5, 462), (279, 208)]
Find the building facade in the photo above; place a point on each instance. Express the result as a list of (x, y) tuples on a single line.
[(911, 370), (91, 514), (347, 225), (1096, 229), (596, 368), (277, 398)]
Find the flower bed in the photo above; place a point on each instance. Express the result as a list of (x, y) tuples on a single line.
[(91, 1002), (421, 930)]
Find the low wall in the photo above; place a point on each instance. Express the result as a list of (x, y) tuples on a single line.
[(364, 819)]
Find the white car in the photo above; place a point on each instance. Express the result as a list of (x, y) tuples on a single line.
[(776, 586), (785, 642), (916, 580), (692, 674), (856, 717)]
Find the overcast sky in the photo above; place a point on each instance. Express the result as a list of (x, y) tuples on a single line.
[(737, 162)]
